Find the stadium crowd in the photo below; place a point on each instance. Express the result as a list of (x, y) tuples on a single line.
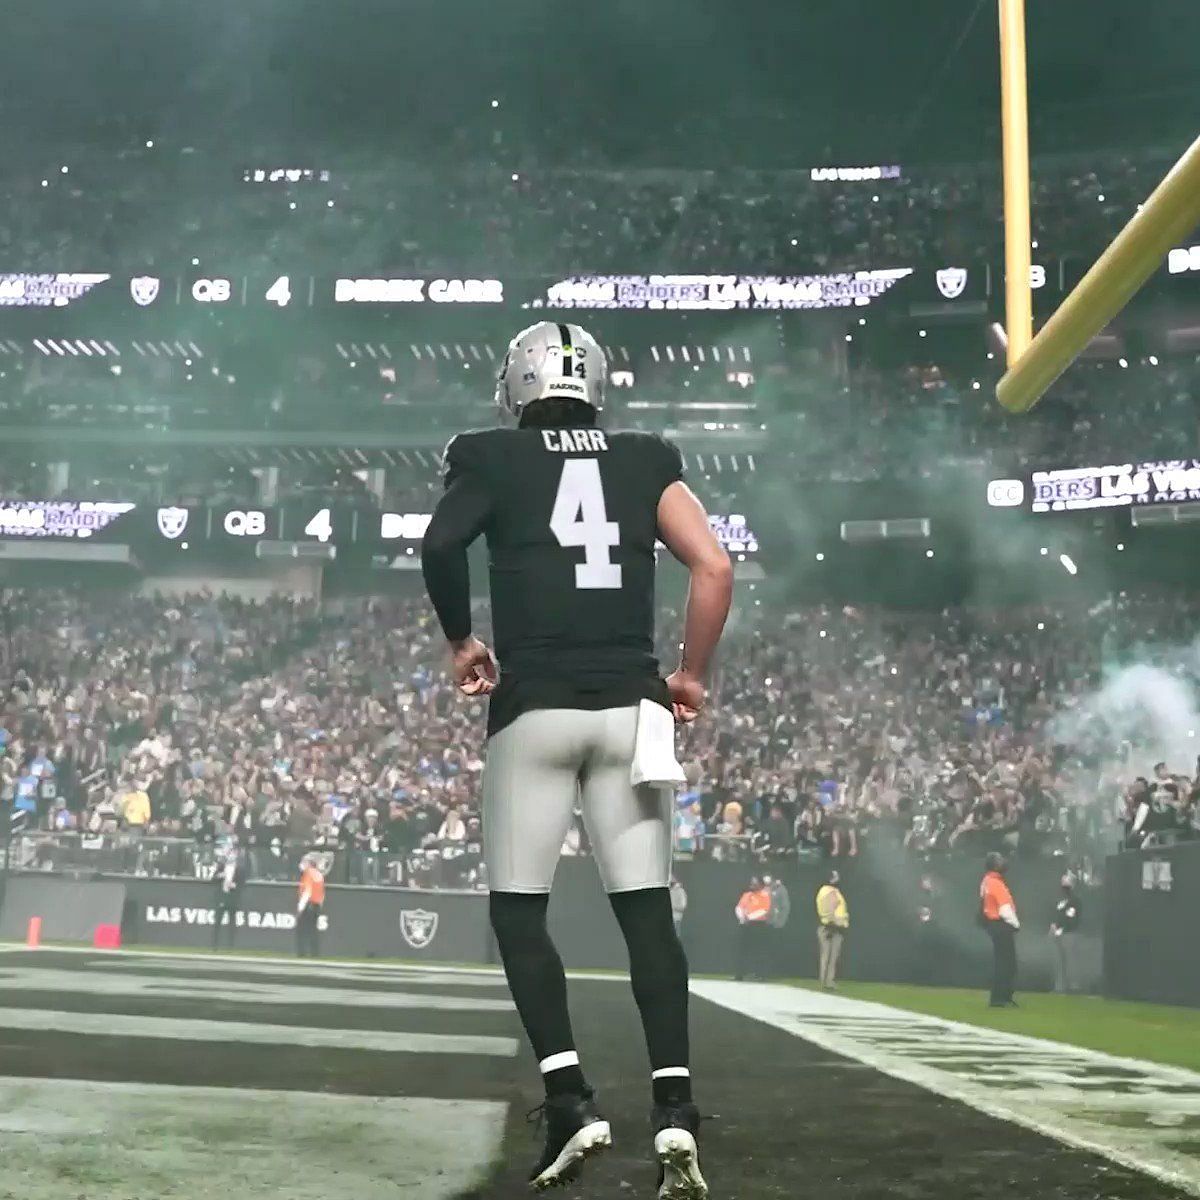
[(912, 423), (866, 423), (157, 729), (498, 213)]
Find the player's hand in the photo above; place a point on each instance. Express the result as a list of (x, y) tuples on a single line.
[(688, 696), (474, 667)]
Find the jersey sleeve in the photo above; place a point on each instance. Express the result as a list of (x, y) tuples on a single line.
[(459, 518), (456, 458), (664, 462)]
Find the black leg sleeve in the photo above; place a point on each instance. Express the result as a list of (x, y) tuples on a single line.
[(658, 971), (534, 970)]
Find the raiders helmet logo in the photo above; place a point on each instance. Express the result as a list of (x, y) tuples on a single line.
[(418, 927), (172, 521), (952, 282), (144, 289)]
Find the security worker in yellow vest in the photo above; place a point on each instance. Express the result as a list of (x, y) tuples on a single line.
[(833, 919)]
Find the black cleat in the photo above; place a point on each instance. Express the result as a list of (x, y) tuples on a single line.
[(575, 1131), (675, 1129)]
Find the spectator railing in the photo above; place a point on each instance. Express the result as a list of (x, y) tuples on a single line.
[(435, 864)]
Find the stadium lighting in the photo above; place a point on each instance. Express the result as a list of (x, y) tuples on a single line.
[(1153, 360), (187, 362), (874, 199), (1123, 362), (495, 103), (150, 144), (1045, 550), (1041, 626), (862, 320), (767, 682), (849, 337), (794, 242), (975, 385), (1100, 198), (823, 633), (291, 204), (195, 262), (328, 203), (922, 333), (820, 557), (66, 170), (1120, 545), (1068, 564), (928, 553), (45, 183), (515, 177)]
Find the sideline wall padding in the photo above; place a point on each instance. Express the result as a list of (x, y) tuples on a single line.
[(1152, 898), (70, 908)]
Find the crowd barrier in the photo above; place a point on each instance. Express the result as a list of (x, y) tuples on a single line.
[(911, 920), (1151, 899), (438, 864)]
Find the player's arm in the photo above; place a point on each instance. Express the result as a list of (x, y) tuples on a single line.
[(459, 518), (683, 527)]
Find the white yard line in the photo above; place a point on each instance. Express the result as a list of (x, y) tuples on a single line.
[(1126, 1110), (174, 964), (308, 965), (31, 978), (183, 1029)]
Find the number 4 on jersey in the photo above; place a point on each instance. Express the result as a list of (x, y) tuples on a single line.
[(580, 519)]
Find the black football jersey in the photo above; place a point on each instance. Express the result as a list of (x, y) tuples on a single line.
[(571, 528)]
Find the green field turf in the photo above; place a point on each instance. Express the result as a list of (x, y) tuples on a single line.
[(1159, 1033)]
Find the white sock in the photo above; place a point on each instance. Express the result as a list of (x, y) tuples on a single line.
[(556, 1062)]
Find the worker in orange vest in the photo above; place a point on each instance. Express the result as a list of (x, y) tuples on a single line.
[(310, 906), (753, 912), (999, 915)]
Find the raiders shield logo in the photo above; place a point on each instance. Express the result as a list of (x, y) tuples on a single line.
[(172, 521), (144, 289), (418, 927), (952, 282)]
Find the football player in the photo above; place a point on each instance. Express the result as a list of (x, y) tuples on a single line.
[(572, 514)]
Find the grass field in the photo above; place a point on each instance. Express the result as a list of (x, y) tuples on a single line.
[(1155, 1032)]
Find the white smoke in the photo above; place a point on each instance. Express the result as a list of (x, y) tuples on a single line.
[(1141, 714)]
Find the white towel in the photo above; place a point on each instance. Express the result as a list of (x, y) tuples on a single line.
[(654, 760)]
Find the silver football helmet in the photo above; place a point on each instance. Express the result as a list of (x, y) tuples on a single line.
[(549, 359)]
